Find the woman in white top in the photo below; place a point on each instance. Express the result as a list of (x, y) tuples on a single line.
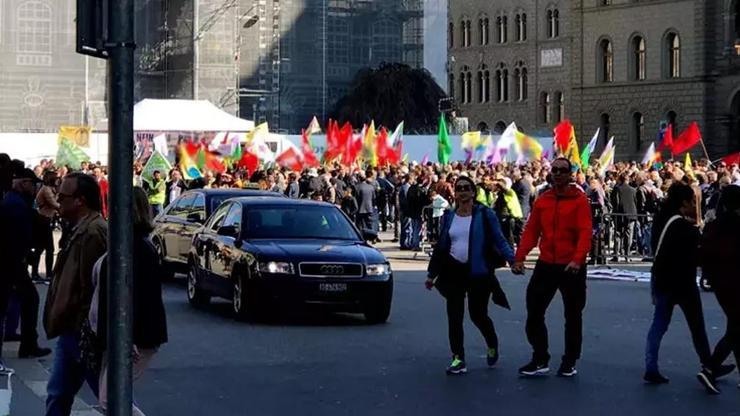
[(469, 249)]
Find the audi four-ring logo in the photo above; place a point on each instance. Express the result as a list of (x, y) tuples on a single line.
[(332, 269)]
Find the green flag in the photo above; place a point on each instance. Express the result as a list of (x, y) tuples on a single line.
[(156, 161), (444, 147), (70, 154)]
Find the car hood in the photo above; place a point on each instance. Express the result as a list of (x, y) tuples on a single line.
[(316, 250)]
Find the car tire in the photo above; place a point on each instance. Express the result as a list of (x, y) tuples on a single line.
[(242, 303), (379, 312), (197, 297), (167, 271)]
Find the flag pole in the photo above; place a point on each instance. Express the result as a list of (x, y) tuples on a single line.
[(705, 151)]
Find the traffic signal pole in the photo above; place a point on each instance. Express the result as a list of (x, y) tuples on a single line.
[(120, 47)]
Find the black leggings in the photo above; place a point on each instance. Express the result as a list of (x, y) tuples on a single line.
[(727, 296), (478, 292)]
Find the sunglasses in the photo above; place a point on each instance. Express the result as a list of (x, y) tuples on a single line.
[(463, 188), (560, 171)]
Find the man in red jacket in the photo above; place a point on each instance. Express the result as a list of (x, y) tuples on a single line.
[(561, 222)]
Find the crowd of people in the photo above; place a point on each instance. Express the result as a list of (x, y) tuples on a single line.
[(476, 217)]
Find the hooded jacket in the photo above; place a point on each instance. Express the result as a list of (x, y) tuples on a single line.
[(561, 226)]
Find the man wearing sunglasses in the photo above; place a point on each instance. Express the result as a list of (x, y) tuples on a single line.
[(561, 222)]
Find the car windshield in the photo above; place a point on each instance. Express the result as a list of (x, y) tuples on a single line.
[(304, 221), (217, 200)]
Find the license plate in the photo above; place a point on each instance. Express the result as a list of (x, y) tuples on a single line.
[(333, 287)]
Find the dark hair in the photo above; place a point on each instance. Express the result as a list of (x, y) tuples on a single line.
[(678, 193), (564, 159), (468, 180), (729, 201), (88, 188)]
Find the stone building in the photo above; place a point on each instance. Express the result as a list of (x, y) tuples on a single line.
[(627, 67)]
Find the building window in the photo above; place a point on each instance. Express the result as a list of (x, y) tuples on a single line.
[(34, 28), (553, 23), (484, 85), (606, 61), (672, 119), (483, 127), (462, 33), (638, 59), (606, 2), (560, 100), (604, 126), (462, 88), (673, 55), (638, 130), (545, 108), (501, 28), (521, 27), (465, 40), (500, 127), (451, 86), (450, 35), (469, 87), (520, 75), (483, 31), (502, 84)]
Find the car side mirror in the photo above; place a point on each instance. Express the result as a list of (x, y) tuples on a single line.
[(195, 217), (228, 231)]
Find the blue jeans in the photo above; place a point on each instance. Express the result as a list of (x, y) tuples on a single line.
[(690, 304), (416, 233), (67, 375), (405, 232)]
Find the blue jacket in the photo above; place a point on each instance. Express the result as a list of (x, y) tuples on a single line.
[(485, 236)]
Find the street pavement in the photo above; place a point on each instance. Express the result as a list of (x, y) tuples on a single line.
[(310, 363)]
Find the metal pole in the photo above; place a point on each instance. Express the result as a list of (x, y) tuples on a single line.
[(323, 63), (196, 48), (120, 47), (86, 113)]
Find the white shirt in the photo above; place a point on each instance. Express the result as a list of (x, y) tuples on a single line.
[(460, 237)]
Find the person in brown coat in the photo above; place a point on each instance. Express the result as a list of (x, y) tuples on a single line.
[(70, 293), (48, 207)]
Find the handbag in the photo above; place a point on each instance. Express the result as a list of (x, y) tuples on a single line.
[(91, 349)]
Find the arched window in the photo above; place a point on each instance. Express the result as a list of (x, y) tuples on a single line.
[(463, 88), (469, 86), (638, 70), (673, 55), (483, 30), (520, 75), (523, 27), (605, 61), (524, 81), (451, 85), (545, 108), (638, 130), (502, 83), (501, 29), (462, 34), (549, 24), (450, 35), (500, 127), (553, 23), (604, 126), (486, 86), (34, 28), (672, 119), (479, 85), (483, 127), (560, 100)]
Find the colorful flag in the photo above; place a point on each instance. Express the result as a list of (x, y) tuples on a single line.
[(687, 139), (259, 148), (564, 134), (667, 143), (586, 154), (383, 151), (732, 159), (160, 144), (78, 135), (70, 154), (261, 130), (650, 155), (313, 126), (444, 147), (425, 159), (607, 157), (572, 153), (529, 149), (396, 142), (156, 162), (688, 167), (249, 161), (187, 167), (309, 157), (333, 142), (369, 152), (291, 159)]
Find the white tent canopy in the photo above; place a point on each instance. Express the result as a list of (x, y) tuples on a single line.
[(185, 115)]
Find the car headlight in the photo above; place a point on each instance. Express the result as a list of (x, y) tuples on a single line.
[(378, 269), (275, 267)]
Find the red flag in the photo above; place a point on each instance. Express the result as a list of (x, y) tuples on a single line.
[(733, 159), (249, 161), (309, 157), (291, 159), (563, 133), (192, 148), (382, 149), (334, 146), (667, 143), (345, 140), (687, 139)]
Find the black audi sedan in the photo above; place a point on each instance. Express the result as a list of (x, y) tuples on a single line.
[(175, 226), (266, 251)]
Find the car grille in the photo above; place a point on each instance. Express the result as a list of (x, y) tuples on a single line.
[(346, 270)]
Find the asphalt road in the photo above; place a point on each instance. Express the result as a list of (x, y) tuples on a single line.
[(333, 364)]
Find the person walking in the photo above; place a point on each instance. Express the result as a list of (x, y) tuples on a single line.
[(48, 208), (675, 242), (403, 212), (174, 187), (366, 207), (720, 260), (417, 198), (463, 264), (349, 204), (149, 319), (561, 222), (624, 201), (70, 293), (16, 240)]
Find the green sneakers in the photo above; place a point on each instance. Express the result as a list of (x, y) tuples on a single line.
[(457, 366)]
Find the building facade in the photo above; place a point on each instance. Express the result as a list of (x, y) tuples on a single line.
[(628, 68), (298, 57)]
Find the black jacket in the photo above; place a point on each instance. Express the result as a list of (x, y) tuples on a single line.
[(150, 320), (675, 265), (417, 198), (366, 198)]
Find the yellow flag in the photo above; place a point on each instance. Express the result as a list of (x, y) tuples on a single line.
[(688, 166), (79, 135), (471, 140), (572, 152), (259, 131)]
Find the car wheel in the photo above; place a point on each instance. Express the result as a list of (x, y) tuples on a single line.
[(167, 271), (196, 296), (244, 307), (379, 312)]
